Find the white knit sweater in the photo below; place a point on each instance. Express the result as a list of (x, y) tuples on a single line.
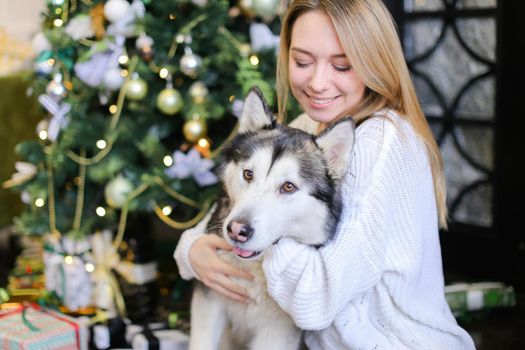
[(379, 283)]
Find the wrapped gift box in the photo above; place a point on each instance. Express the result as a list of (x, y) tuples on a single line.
[(464, 297), (30, 327)]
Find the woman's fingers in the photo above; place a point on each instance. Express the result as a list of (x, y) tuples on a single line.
[(227, 269), (231, 270), (214, 272), (228, 293), (228, 283), (219, 243)]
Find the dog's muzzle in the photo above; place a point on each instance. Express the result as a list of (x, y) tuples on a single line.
[(240, 232)]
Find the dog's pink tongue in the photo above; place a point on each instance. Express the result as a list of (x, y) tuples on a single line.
[(242, 252)]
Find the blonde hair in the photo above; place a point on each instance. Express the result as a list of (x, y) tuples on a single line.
[(370, 40)]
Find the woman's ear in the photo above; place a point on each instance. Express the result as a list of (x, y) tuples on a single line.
[(337, 142), (256, 113)]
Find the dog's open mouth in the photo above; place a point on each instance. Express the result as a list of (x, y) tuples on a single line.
[(245, 253)]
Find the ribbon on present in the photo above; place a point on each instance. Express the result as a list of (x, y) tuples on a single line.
[(59, 111), (106, 259), (23, 308)]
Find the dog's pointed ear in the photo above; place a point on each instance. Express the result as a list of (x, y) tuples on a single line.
[(256, 113), (337, 142)]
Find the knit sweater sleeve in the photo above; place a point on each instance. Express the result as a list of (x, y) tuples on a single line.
[(188, 237), (313, 285)]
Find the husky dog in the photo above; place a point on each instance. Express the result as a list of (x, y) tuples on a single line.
[(279, 182)]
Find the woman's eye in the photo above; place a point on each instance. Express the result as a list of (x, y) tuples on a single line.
[(247, 175), (288, 187), (342, 68), (301, 64)]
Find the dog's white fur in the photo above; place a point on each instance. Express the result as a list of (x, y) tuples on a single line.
[(262, 324)]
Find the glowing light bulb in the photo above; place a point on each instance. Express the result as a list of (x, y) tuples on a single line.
[(101, 144), (167, 210), (100, 211), (203, 143), (164, 73), (254, 60), (123, 59), (167, 160)]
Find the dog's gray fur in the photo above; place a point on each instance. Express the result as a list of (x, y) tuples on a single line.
[(254, 214)]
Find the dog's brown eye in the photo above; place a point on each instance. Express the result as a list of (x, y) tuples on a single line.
[(288, 187), (248, 175)]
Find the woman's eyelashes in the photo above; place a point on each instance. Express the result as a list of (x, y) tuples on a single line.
[(338, 68), (342, 68), (302, 64)]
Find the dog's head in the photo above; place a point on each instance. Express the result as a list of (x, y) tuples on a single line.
[(282, 181)]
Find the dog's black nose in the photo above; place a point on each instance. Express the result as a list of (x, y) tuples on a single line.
[(239, 231)]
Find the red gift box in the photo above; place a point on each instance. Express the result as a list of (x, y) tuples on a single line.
[(31, 327)]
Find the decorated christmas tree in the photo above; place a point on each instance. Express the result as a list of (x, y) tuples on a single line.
[(140, 97)]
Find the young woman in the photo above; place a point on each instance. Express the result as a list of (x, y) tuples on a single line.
[(379, 283)]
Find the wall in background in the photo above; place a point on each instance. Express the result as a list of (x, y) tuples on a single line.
[(21, 18), (19, 21)]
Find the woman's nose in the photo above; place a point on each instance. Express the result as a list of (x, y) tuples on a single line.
[(319, 80)]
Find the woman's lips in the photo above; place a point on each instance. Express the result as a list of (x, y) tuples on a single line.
[(320, 102)]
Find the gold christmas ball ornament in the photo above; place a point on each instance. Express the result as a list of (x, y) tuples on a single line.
[(117, 190), (198, 92), (136, 89), (169, 101), (194, 129), (246, 7)]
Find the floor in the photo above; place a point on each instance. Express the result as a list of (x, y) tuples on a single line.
[(491, 330), (499, 329)]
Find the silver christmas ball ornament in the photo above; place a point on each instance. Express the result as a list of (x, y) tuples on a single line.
[(117, 190), (115, 10), (190, 64), (267, 9), (143, 41), (55, 88)]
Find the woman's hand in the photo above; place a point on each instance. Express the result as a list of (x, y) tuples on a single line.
[(213, 271)]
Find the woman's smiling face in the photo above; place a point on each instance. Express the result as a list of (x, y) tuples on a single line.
[(321, 77)]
